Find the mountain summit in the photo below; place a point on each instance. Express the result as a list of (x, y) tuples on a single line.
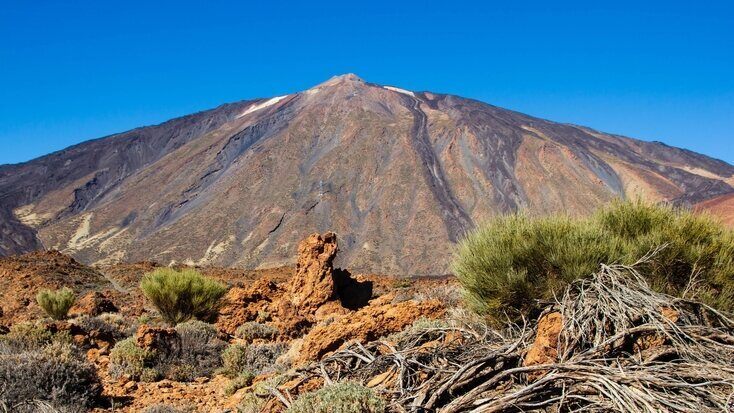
[(398, 175)]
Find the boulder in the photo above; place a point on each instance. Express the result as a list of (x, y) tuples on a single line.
[(544, 349), (248, 304), (94, 303), (156, 338), (313, 283), (380, 318)]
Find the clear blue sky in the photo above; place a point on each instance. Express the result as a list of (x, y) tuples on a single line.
[(657, 70)]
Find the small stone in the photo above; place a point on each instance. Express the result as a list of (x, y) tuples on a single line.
[(130, 386)]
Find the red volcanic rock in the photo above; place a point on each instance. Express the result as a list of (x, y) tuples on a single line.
[(260, 300), (381, 317), (544, 349), (313, 283), (155, 338), (23, 276), (94, 303)]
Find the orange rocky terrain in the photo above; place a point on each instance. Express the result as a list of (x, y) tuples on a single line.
[(315, 307)]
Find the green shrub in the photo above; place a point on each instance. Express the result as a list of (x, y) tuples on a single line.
[(182, 295), (57, 303), (167, 408), (25, 337), (695, 244), (63, 382), (250, 403), (512, 263), (126, 358), (253, 330), (241, 381), (252, 358), (339, 398), (196, 352), (234, 360), (109, 326)]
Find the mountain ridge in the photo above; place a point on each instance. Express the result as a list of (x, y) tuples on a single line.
[(399, 174)]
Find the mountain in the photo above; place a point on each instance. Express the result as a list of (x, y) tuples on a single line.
[(399, 175)]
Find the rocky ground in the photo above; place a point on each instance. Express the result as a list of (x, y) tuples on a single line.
[(609, 343), (315, 308)]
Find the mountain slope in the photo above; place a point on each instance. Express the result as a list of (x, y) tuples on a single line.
[(398, 175)]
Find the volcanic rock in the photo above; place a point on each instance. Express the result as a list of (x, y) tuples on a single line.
[(544, 349), (312, 284), (260, 300), (94, 303), (22, 277), (381, 317), (156, 338)]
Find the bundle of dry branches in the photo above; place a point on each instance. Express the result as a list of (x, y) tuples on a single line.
[(622, 347)]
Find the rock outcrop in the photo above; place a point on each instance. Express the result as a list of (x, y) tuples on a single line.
[(315, 291), (94, 303), (156, 338), (380, 318), (324, 305), (544, 349), (23, 276), (256, 303)]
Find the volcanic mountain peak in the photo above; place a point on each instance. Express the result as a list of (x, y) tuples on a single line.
[(399, 175), (345, 78)]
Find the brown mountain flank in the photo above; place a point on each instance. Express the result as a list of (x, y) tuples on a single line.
[(721, 206)]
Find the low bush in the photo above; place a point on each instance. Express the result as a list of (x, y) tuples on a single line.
[(112, 327), (250, 403), (182, 295), (234, 360), (167, 408), (25, 337), (57, 303), (513, 263), (340, 397), (60, 380), (199, 352), (30, 336), (253, 330), (126, 358), (239, 382), (196, 353)]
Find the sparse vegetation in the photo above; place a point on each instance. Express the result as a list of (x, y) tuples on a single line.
[(111, 326), (234, 360), (25, 336), (195, 353), (56, 304), (253, 358), (167, 408), (253, 330), (250, 404), (514, 263), (126, 358), (199, 352), (242, 380), (55, 375), (340, 397), (182, 295)]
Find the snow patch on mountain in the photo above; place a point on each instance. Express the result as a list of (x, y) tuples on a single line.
[(269, 102), (397, 89)]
